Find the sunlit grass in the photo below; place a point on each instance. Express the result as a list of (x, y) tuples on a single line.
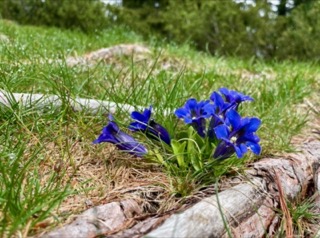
[(42, 151)]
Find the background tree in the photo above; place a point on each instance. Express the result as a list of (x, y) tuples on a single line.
[(87, 16), (260, 29)]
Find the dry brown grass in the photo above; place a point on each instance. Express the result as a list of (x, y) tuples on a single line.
[(101, 174)]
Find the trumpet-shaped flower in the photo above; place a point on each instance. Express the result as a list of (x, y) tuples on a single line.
[(195, 113), (220, 107), (237, 137), (234, 97), (144, 123), (112, 134)]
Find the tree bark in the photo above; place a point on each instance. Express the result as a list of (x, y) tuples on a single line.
[(99, 220)]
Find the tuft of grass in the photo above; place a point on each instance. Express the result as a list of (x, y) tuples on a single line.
[(304, 215), (25, 200)]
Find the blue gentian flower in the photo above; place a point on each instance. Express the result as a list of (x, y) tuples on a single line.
[(112, 134), (237, 137), (234, 97), (141, 120), (218, 118), (195, 113), (144, 123), (220, 105)]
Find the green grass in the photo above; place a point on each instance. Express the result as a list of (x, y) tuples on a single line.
[(33, 142), (304, 215)]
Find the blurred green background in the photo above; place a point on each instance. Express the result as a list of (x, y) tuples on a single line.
[(264, 29)]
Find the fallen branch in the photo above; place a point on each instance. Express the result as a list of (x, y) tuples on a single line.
[(99, 220), (40, 101)]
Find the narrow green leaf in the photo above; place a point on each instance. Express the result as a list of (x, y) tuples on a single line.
[(179, 151)]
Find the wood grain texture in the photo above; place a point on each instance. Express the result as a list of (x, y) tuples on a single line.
[(204, 219), (98, 220)]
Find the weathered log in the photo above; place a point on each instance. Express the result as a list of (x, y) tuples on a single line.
[(248, 210), (98, 220), (140, 228), (205, 218), (78, 104), (41, 101)]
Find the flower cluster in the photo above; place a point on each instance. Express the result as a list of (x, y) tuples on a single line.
[(216, 120), (232, 133)]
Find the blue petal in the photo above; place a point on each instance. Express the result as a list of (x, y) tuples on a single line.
[(234, 96), (108, 134), (124, 137), (239, 97), (153, 129), (234, 119), (110, 129), (253, 125), (208, 110), (147, 113), (105, 138), (203, 103), (224, 91), (191, 104), (112, 134), (139, 117), (131, 146), (254, 147), (255, 138), (199, 125), (141, 120), (214, 122), (240, 150), (224, 150), (160, 131), (217, 99), (248, 137), (222, 132), (181, 113), (137, 126)]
